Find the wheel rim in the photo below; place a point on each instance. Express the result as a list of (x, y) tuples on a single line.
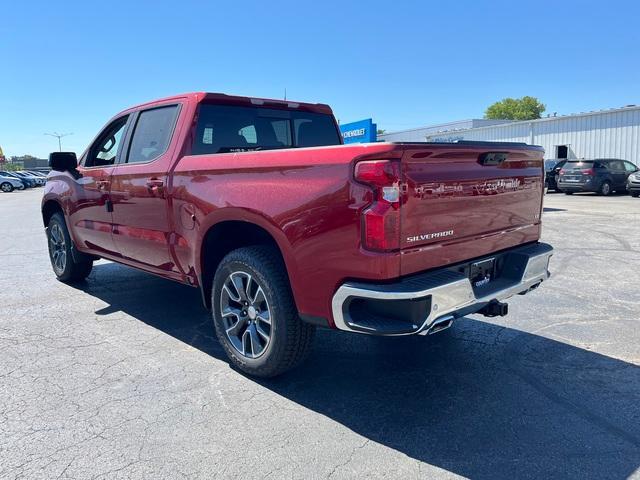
[(246, 315), (6, 187), (606, 189), (57, 249)]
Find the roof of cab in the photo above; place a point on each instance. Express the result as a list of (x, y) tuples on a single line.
[(225, 99)]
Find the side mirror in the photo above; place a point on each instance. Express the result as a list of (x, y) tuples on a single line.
[(63, 161)]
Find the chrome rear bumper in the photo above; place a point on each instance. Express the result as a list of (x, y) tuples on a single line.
[(435, 296)]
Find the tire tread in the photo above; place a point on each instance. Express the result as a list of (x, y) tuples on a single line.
[(299, 335), (74, 271)]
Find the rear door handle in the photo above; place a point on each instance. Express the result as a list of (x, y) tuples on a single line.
[(155, 185)]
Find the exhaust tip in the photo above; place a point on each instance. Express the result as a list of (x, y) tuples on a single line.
[(440, 324)]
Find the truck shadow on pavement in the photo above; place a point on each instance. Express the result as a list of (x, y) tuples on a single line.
[(479, 400)]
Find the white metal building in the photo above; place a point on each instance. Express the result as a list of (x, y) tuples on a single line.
[(611, 133)]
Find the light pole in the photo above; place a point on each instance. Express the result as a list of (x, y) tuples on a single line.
[(59, 137)]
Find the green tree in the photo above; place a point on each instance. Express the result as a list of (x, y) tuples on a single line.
[(525, 108), (381, 131)]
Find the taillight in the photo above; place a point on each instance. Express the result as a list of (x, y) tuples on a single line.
[(588, 171), (381, 220)]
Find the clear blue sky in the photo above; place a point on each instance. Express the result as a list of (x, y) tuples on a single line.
[(70, 65)]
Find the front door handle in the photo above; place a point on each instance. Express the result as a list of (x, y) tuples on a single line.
[(102, 184)]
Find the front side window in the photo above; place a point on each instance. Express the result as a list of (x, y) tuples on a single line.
[(105, 150), (152, 134), (630, 167), (223, 129)]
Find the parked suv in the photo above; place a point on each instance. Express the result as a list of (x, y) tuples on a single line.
[(602, 175)]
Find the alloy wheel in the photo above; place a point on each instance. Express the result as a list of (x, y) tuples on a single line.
[(57, 248), (246, 315)]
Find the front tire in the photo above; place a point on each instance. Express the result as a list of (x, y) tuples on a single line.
[(254, 314), (635, 194), (6, 187), (66, 268)]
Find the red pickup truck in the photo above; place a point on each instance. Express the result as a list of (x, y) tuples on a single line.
[(283, 228)]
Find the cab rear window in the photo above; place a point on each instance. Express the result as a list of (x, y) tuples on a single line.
[(579, 165), (224, 129)]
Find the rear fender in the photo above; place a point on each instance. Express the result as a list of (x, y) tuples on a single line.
[(255, 218)]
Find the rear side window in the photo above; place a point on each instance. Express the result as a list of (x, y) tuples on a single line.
[(152, 134), (616, 165), (223, 129)]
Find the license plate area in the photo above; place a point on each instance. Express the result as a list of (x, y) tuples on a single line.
[(482, 273)]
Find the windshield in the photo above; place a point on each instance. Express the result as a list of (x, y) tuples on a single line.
[(223, 129)]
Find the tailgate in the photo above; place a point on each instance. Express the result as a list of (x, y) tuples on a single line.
[(467, 200), (577, 172)]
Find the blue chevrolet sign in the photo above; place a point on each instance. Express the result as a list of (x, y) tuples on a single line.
[(363, 131)]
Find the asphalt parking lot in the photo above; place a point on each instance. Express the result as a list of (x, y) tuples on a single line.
[(121, 377)]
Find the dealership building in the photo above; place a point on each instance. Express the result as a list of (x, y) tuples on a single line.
[(613, 133)]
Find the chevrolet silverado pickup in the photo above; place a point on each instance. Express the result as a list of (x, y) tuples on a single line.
[(284, 229)]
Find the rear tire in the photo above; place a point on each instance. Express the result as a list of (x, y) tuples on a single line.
[(254, 314), (66, 268), (568, 193), (605, 189), (6, 187)]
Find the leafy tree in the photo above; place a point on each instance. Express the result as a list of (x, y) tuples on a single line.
[(525, 108), (381, 131)]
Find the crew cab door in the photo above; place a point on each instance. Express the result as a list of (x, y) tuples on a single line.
[(90, 219), (140, 190)]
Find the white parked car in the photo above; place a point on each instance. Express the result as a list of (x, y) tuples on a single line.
[(8, 184)]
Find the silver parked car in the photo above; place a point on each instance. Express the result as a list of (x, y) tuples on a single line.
[(8, 184)]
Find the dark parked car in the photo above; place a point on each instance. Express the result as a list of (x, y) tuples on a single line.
[(28, 183), (602, 175), (633, 184), (38, 181), (552, 170)]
